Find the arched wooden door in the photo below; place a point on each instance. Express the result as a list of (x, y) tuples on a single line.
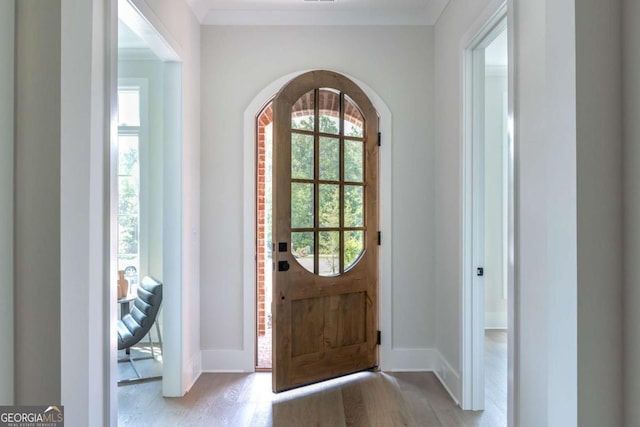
[(325, 228)]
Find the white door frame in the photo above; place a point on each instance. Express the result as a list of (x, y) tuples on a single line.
[(493, 21)]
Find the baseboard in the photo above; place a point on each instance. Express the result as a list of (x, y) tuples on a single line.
[(449, 377), (227, 361), (402, 360), (412, 359), (427, 360), (193, 371), (495, 320)]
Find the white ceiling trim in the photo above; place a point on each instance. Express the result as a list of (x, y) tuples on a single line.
[(291, 17), (427, 13)]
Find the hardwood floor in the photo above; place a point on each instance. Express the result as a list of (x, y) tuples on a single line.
[(495, 373), (363, 399)]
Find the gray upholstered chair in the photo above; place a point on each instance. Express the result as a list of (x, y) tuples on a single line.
[(138, 322)]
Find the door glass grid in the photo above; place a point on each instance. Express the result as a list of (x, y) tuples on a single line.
[(327, 182)]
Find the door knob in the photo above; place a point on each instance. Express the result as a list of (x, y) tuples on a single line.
[(283, 266)]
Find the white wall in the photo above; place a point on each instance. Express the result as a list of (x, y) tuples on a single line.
[(37, 203), (238, 62), (495, 302), (7, 28), (599, 192), (179, 27), (631, 111)]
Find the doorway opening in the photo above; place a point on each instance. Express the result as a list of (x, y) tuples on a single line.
[(495, 223), (264, 246), (328, 151), (488, 219), (250, 286), (145, 200)]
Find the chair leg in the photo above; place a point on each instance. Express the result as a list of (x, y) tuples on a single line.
[(151, 344), (133, 365), (139, 378), (159, 336)]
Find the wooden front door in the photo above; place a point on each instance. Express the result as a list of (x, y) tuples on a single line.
[(325, 230)]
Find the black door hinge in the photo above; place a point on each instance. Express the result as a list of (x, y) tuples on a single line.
[(379, 139), (379, 238), (379, 338)]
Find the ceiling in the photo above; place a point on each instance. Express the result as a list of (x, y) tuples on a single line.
[(317, 12)]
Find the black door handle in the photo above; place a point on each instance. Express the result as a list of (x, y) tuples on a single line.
[(283, 266)]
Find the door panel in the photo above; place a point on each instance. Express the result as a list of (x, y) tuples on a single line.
[(326, 221)]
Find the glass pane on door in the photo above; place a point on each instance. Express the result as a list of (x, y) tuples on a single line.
[(329, 108), (329, 159), (302, 113), (353, 161), (302, 156), (302, 248), (329, 206), (353, 206), (302, 212), (353, 119), (329, 257), (353, 247)]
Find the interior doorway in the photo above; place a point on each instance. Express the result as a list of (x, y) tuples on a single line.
[(488, 236), (264, 246), (145, 198), (495, 223)]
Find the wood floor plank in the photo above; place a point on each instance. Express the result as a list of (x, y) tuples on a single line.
[(354, 407), (384, 403), (443, 406), (363, 400), (320, 408), (419, 409)]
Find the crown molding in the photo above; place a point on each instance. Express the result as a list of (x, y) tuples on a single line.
[(317, 18), (318, 14)]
